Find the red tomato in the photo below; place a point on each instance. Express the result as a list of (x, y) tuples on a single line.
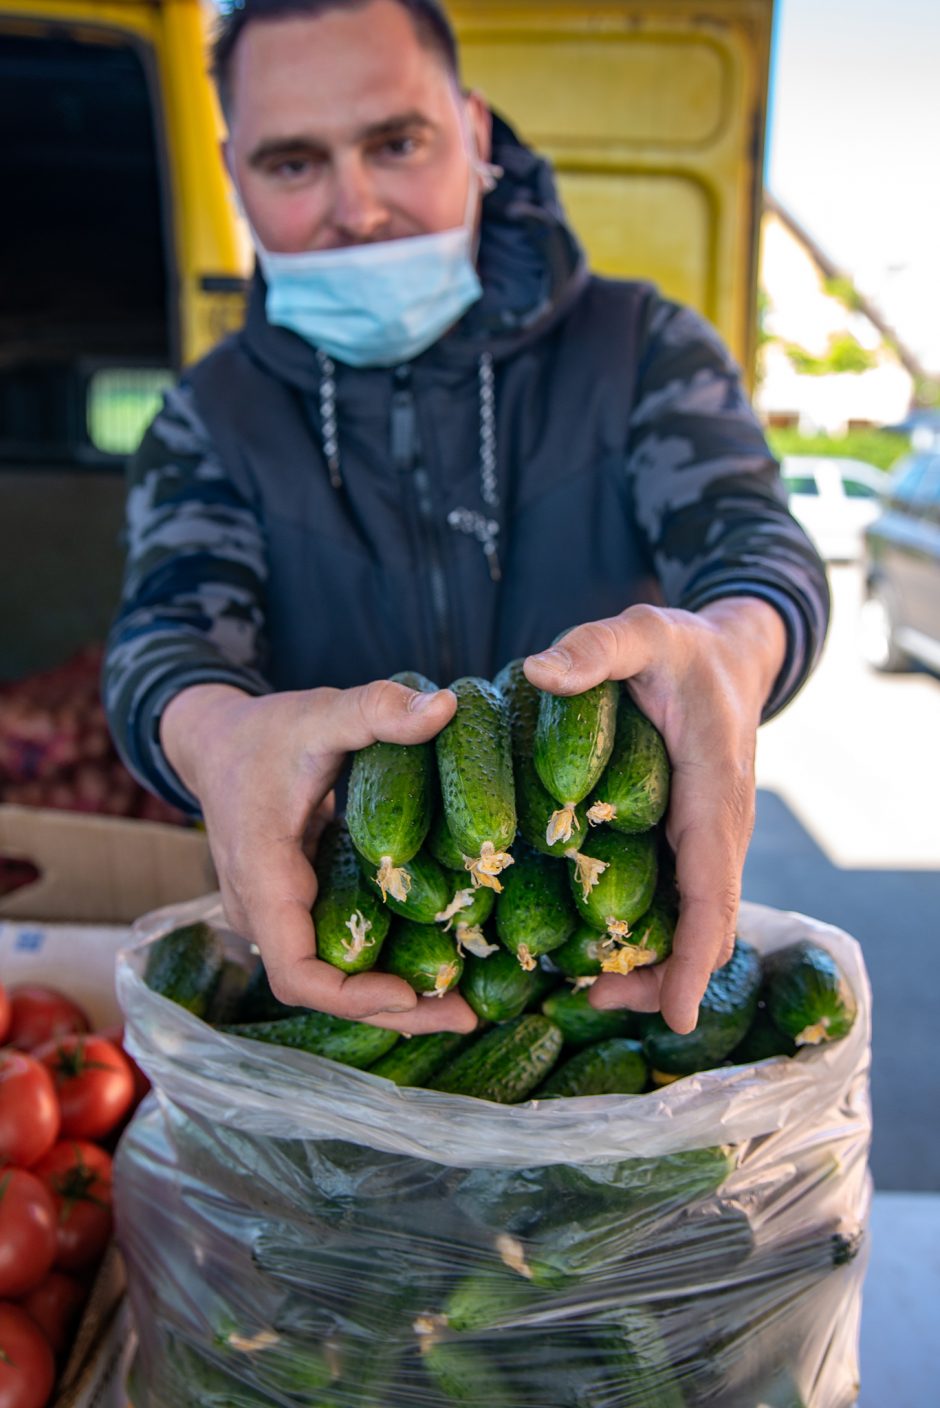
[(38, 1014), (4, 1015), (27, 1232), (78, 1175), (29, 1110), (27, 1368), (141, 1084), (93, 1083), (55, 1305)]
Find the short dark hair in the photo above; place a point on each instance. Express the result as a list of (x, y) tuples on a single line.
[(431, 24)]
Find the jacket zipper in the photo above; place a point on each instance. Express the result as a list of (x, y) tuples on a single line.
[(406, 457)]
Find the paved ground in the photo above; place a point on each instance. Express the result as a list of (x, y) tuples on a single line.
[(848, 830)]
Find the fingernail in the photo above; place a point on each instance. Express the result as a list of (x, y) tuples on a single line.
[(554, 659), (419, 701)]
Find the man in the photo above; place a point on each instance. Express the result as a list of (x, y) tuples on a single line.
[(438, 443)]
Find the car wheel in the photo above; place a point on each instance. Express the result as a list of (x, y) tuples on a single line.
[(880, 650)]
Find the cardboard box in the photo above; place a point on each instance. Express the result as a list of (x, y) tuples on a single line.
[(80, 959), (99, 868)]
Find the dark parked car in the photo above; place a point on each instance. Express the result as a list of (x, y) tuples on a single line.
[(901, 607)]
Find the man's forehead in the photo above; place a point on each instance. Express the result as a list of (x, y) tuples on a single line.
[(338, 68)]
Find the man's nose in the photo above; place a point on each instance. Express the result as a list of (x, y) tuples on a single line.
[(358, 213)]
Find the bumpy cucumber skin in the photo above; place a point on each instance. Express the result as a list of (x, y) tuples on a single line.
[(497, 987), (352, 1043), (583, 1025), (762, 1040), (654, 931), (416, 1061), (412, 679), (534, 910), (581, 955), (725, 1013), (506, 1063), (805, 986), (614, 1067), (574, 737), (464, 1373), (481, 905), (430, 891), (343, 893), (418, 952), (487, 1298), (636, 778), (185, 966), (474, 759), (625, 889), (442, 845), (535, 805), (388, 806)]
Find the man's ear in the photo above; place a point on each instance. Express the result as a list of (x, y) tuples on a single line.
[(225, 150), (481, 120)]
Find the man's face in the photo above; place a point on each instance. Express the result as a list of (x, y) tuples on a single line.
[(345, 130)]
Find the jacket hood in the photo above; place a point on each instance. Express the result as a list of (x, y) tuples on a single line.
[(530, 263)]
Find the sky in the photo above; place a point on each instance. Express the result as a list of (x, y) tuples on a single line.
[(854, 147)]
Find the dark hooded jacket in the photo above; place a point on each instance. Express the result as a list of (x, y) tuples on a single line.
[(574, 445)]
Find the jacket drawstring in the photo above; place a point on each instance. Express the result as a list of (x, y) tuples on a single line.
[(483, 527)]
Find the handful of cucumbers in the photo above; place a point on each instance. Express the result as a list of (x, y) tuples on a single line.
[(515, 858)]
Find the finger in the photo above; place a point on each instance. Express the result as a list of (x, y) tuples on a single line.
[(616, 648), (350, 719), (638, 990), (450, 1013)]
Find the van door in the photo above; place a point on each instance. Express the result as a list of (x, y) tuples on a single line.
[(653, 113)]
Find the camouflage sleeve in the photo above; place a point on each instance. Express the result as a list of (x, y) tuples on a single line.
[(708, 496), (192, 602)]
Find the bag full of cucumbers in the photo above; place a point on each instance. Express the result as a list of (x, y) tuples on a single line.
[(568, 1208)]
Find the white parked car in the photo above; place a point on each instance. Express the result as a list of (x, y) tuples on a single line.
[(835, 500)]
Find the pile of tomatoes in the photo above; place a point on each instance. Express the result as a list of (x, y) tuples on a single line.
[(65, 1094)]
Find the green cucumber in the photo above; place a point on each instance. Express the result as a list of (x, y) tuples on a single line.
[(622, 882), (389, 801), (414, 1061), (506, 1063), (762, 1040), (574, 736), (258, 1002), (581, 955), (412, 679), (350, 921), (229, 994), (634, 1361), (583, 1025), (535, 805), (726, 1011), (808, 995), (429, 889), (465, 1373), (443, 847), (614, 1067), (424, 956), (633, 792), (534, 914), (486, 1299), (474, 760), (186, 966), (649, 940), (320, 1033), (498, 987)]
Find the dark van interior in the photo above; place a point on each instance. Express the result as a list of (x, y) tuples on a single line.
[(85, 337)]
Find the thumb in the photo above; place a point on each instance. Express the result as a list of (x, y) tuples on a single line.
[(587, 655), (382, 711)]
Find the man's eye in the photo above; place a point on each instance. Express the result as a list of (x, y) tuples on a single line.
[(401, 146), (292, 166)]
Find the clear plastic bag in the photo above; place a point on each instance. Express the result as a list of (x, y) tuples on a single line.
[(300, 1232)]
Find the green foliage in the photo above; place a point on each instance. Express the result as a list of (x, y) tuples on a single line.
[(844, 354), (877, 447), (843, 291)]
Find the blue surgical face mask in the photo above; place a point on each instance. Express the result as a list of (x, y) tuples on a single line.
[(377, 305)]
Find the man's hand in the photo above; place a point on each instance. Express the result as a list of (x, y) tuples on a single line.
[(703, 679), (263, 770)]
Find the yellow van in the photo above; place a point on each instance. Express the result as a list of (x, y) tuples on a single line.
[(122, 257)]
